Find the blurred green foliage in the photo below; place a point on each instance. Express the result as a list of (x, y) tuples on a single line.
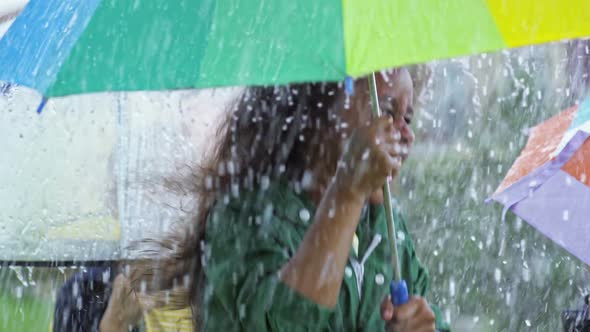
[(24, 314), (26, 298)]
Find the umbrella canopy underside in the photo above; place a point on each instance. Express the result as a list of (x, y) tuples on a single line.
[(63, 47)]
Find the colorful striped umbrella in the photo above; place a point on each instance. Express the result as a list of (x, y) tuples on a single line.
[(63, 47), (549, 183)]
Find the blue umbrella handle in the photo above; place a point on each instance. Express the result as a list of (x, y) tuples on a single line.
[(399, 292)]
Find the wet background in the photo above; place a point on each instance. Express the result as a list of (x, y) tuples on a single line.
[(83, 179)]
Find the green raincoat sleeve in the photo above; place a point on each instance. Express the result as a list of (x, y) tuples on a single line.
[(247, 243), (246, 250)]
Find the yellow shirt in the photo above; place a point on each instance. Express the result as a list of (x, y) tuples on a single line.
[(162, 320)]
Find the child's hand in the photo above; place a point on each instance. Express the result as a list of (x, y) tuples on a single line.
[(370, 157), (415, 315), (124, 308)]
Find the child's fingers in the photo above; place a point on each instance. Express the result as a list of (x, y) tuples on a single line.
[(387, 309)]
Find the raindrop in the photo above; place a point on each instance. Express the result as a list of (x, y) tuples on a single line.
[(19, 275), (30, 276), (307, 180), (526, 275), (221, 169), (242, 311), (75, 289), (264, 182), (230, 167), (268, 213), (142, 287), (497, 275), (347, 102), (401, 236), (518, 224), (331, 213), (186, 281), (304, 215)]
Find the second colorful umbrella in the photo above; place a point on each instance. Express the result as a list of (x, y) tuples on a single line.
[(549, 183)]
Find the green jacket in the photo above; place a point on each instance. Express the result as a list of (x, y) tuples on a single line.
[(250, 238)]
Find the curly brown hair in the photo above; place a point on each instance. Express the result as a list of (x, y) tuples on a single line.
[(268, 133)]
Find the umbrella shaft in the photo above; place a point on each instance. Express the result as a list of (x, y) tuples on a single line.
[(386, 189)]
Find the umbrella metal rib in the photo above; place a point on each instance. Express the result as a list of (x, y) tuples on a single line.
[(386, 189)]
